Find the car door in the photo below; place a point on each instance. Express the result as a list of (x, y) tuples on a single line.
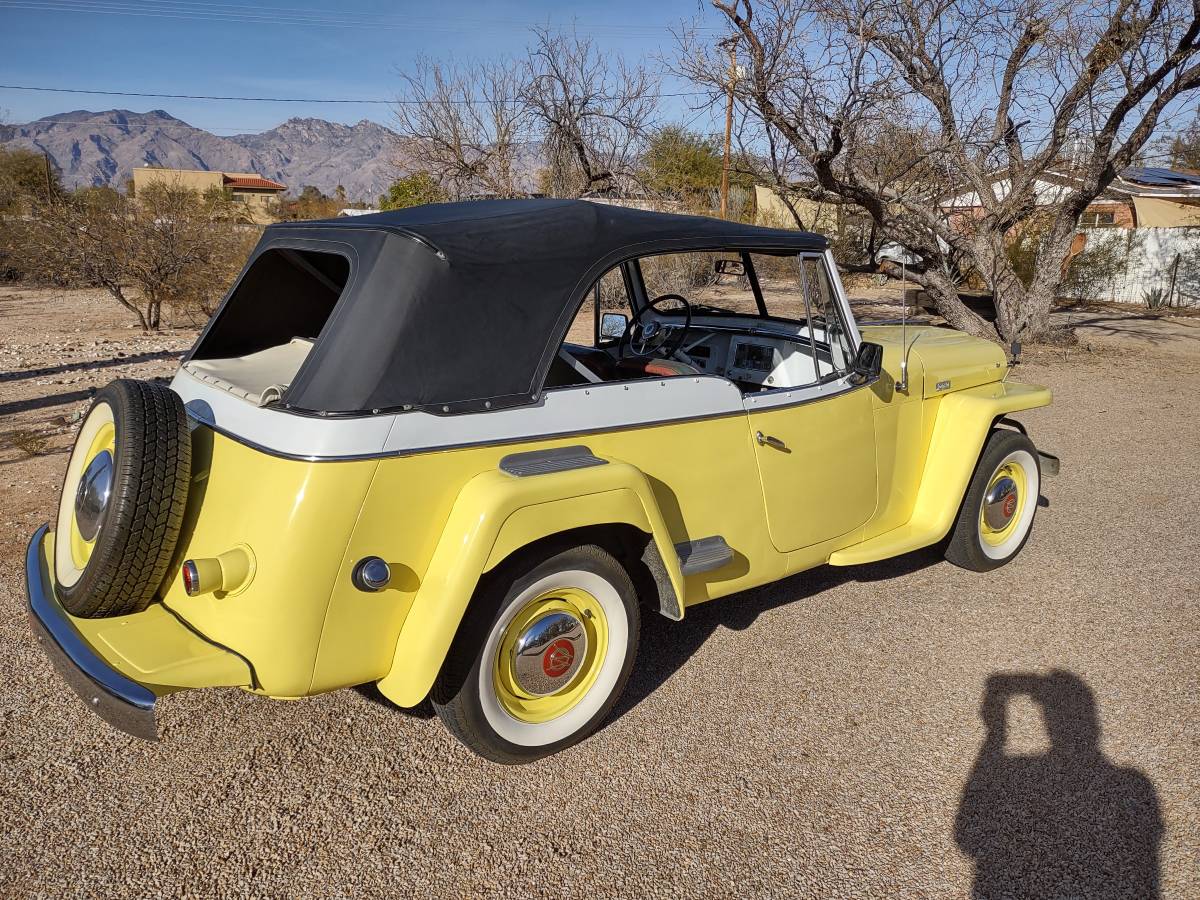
[(815, 442)]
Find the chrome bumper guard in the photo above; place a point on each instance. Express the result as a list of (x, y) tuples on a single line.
[(120, 701)]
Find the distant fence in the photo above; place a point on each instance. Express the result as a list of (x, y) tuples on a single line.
[(1125, 265)]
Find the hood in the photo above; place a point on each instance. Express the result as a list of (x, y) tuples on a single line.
[(954, 361), (944, 360)]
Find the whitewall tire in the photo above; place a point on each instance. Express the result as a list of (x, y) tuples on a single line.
[(997, 513), (542, 655)]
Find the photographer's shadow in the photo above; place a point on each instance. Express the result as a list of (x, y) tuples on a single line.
[(1064, 823)]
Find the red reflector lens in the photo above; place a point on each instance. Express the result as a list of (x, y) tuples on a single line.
[(191, 578)]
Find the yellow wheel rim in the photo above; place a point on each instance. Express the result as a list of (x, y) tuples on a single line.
[(990, 533), (81, 547), (520, 703)]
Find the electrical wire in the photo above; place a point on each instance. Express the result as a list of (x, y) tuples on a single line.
[(254, 14), (363, 100)]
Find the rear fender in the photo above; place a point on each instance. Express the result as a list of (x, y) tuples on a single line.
[(495, 515)]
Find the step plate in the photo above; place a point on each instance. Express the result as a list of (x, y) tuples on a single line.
[(704, 555)]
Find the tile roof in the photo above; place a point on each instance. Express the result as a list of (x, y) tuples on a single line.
[(238, 181)]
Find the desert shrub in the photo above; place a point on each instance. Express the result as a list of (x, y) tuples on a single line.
[(311, 204), (678, 273), (1092, 270), (170, 247), (1156, 298), (415, 189), (29, 442)]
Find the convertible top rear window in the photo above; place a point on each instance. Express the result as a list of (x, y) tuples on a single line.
[(286, 293)]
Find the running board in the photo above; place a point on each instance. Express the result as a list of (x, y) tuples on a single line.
[(703, 555)]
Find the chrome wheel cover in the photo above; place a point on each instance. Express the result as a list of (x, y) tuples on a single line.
[(92, 495), (1000, 502), (549, 653)]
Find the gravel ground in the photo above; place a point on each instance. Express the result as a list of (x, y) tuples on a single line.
[(821, 736)]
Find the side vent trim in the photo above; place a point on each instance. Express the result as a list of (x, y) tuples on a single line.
[(543, 462)]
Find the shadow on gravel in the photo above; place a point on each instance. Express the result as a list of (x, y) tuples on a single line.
[(1064, 823), (17, 406), (423, 710), (665, 646), (91, 364)]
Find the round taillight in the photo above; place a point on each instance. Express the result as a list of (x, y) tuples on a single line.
[(191, 579)]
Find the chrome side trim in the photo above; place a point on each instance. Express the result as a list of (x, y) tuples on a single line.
[(561, 413), (781, 398), (120, 701), (471, 445)]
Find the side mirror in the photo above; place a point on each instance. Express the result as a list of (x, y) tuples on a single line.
[(612, 326), (868, 363), (729, 267)]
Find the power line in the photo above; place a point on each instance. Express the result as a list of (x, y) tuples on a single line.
[(365, 100), (223, 12)]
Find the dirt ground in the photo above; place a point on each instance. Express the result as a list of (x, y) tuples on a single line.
[(831, 735)]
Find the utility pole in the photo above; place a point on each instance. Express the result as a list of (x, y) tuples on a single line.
[(729, 44)]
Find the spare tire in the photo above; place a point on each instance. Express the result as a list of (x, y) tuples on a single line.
[(123, 500)]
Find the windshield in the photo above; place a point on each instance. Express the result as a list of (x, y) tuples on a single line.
[(737, 283)]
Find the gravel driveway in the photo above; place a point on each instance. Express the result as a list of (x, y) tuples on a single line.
[(822, 736)]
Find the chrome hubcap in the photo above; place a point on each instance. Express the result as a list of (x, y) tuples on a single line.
[(1000, 503), (549, 653), (91, 497)]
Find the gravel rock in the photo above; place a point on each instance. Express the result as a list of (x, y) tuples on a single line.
[(821, 736)]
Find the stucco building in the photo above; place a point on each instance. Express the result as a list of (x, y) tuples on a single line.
[(251, 190), (1140, 197)]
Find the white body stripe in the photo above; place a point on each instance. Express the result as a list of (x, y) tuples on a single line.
[(274, 430), (561, 411)]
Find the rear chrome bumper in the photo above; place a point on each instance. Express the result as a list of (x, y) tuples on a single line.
[(120, 701)]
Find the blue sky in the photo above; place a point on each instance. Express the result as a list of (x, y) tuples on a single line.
[(285, 48)]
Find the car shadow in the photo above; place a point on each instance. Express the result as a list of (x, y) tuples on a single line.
[(1064, 823), (665, 645), (371, 693)]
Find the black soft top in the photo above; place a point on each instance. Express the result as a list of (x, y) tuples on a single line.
[(457, 307)]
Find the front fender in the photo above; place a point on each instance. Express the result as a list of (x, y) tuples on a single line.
[(964, 419), (494, 515)]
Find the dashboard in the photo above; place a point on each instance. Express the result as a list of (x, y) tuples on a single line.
[(753, 358)]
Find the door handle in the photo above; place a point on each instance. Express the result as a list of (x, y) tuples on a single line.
[(766, 440)]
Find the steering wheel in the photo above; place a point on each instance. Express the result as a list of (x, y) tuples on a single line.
[(655, 338)]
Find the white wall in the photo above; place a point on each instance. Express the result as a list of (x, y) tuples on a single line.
[(1145, 258)]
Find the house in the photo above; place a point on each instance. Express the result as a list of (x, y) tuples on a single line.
[(255, 193), (1142, 234), (1140, 197), (773, 212)]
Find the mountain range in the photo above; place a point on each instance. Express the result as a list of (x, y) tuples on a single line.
[(103, 148)]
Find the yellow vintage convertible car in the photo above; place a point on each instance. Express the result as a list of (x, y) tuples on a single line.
[(459, 450)]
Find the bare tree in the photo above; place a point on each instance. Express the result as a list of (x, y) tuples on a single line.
[(467, 125), (171, 246), (593, 111), (899, 105)]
